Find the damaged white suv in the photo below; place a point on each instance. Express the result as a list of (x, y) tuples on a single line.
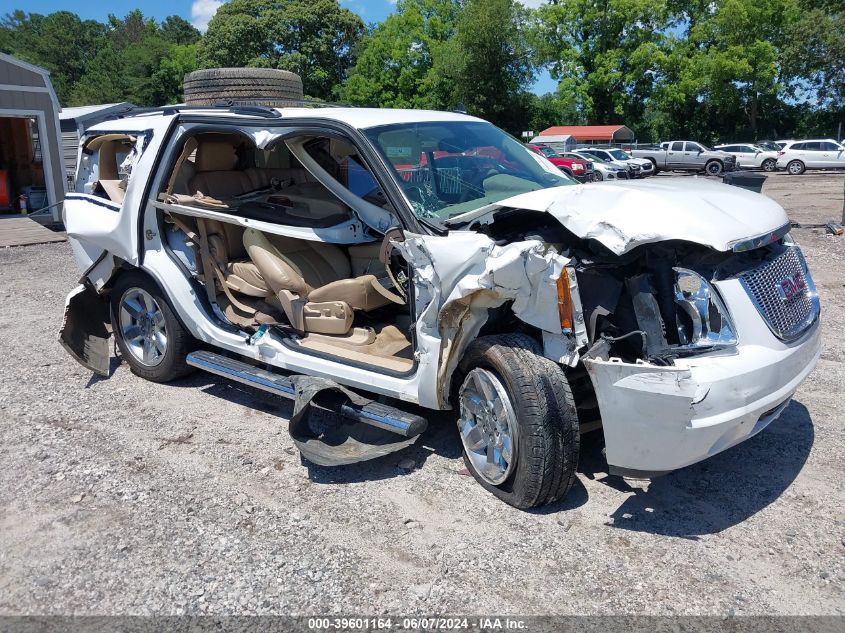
[(367, 261)]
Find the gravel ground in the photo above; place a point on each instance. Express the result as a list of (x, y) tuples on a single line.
[(123, 496)]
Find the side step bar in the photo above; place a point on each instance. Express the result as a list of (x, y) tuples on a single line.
[(373, 413)]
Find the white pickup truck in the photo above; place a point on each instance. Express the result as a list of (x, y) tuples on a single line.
[(686, 156), (385, 263)]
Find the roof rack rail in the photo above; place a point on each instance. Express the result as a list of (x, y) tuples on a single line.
[(232, 106)]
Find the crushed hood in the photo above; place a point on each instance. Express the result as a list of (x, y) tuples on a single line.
[(622, 216)]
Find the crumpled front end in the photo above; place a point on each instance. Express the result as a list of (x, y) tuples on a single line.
[(676, 408)]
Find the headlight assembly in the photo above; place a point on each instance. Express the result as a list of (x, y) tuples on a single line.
[(702, 319)]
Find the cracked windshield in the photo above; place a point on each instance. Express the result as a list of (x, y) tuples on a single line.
[(451, 168)]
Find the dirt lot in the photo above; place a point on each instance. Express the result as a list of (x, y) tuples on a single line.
[(122, 496)]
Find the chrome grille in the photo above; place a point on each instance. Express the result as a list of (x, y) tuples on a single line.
[(775, 288)]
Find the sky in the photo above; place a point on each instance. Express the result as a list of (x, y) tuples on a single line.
[(199, 12)]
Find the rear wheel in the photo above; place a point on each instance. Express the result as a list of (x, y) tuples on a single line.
[(148, 334), (770, 164), (517, 421), (795, 167)]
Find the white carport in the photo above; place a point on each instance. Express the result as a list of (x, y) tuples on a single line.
[(559, 142), (31, 161)]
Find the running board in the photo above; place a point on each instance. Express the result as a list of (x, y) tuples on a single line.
[(375, 414)]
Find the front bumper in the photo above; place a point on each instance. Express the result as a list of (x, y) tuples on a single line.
[(657, 419)]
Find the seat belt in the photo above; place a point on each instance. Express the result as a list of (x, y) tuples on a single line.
[(212, 271), (190, 145)]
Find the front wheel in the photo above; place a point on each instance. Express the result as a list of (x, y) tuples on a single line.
[(713, 168), (770, 164), (150, 337), (517, 421), (795, 167), (597, 176)]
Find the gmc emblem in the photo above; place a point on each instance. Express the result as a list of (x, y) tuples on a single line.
[(790, 287)]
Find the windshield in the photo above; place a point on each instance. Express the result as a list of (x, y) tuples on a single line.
[(593, 157), (548, 152), (618, 154), (449, 168)]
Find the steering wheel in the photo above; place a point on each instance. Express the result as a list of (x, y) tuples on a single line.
[(394, 263)]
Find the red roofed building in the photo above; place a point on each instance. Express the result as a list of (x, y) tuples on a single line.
[(592, 133)]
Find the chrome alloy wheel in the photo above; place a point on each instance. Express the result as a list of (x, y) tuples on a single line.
[(142, 326), (488, 426)]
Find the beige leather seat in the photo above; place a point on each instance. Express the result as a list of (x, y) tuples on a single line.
[(313, 282), (216, 175)]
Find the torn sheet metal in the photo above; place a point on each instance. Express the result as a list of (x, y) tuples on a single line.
[(459, 278), (326, 440), (83, 333), (624, 215)]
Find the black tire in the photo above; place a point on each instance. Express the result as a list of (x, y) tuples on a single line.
[(770, 164), (714, 168), (244, 86), (173, 363), (597, 176), (547, 420), (654, 165), (795, 168)]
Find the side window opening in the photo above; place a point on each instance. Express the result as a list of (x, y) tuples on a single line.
[(341, 161), (229, 173), (106, 166), (339, 298)]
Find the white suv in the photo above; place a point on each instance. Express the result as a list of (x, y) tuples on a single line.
[(388, 264), (798, 156)]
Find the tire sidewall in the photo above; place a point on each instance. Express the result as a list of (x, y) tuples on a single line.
[(521, 489), (173, 364), (795, 172), (713, 168), (769, 165)]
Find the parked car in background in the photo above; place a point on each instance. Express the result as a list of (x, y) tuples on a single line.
[(781, 143), (798, 156), (579, 168), (749, 156), (768, 145), (687, 156), (602, 169), (635, 169)]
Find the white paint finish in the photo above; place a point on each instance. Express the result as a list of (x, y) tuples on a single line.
[(664, 418), (458, 278), (624, 215)]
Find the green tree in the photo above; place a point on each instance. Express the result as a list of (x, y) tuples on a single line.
[(486, 68), (178, 30), (724, 73), (315, 38), (138, 63), (603, 53), (396, 59), (814, 54), (60, 42)]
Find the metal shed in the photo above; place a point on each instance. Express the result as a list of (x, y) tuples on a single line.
[(31, 162), (74, 122), (560, 143)]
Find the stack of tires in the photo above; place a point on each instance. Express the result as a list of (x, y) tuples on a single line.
[(243, 86)]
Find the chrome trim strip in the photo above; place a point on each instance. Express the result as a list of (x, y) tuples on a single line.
[(750, 243)]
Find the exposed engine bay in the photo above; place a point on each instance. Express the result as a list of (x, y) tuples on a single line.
[(654, 303)]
